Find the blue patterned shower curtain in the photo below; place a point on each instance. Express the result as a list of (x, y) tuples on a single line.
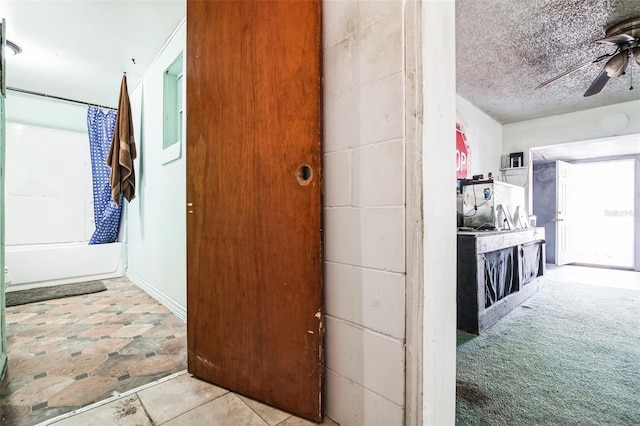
[(107, 214)]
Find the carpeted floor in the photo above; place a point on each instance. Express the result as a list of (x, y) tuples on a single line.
[(570, 355)]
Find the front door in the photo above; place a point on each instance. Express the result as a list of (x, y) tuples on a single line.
[(564, 217), (254, 242), (3, 86)]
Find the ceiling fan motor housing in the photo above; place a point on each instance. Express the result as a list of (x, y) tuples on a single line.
[(630, 27), (625, 36)]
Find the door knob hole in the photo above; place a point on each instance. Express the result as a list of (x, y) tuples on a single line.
[(304, 174)]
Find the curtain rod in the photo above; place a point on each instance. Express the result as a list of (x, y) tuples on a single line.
[(44, 95)]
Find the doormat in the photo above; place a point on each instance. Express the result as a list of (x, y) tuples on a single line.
[(22, 297)]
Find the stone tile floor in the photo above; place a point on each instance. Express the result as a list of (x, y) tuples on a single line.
[(179, 400), (116, 357), (68, 353)]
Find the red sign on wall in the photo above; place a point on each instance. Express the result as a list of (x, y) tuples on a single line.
[(462, 154)]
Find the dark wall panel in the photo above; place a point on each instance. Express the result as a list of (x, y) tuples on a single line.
[(544, 204)]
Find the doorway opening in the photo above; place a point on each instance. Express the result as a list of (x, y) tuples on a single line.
[(583, 194), (603, 203)]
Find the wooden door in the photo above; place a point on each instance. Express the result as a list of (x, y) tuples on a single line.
[(254, 243)]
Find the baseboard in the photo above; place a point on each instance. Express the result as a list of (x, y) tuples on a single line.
[(169, 303)]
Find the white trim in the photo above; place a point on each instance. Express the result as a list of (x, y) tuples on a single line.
[(636, 220), (166, 301), (414, 301), (172, 152), (438, 206), (111, 399)]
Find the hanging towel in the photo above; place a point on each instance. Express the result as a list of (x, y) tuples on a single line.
[(123, 150)]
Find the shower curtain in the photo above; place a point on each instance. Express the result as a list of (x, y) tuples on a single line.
[(106, 212)]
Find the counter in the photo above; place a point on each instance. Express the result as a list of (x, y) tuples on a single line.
[(496, 272)]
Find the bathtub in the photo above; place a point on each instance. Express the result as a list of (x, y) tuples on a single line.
[(35, 266)]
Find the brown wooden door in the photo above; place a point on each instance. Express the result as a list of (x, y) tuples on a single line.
[(254, 243)]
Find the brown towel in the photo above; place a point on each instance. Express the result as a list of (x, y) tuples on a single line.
[(123, 150)]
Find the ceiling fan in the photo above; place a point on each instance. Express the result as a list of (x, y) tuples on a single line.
[(625, 36)]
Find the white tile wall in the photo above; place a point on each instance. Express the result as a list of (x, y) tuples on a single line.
[(341, 122), (378, 49), (381, 113), (364, 223), (370, 54), (355, 405), (372, 298), (369, 237), (344, 17), (339, 68), (378, 174), (372, 10), (365, 115), (368, 358), (339, 19), (337, 177)]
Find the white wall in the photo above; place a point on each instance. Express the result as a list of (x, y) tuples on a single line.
[(156, 233), (595, 123), (48, 186), (43, 112), (364, 82), (484, 137)]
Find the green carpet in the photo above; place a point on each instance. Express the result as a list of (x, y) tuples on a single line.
[(570, 355), (22, 297)]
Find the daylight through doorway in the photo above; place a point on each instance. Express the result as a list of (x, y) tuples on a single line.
[(604, 213)]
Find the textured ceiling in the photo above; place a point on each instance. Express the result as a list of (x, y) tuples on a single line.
[(505, 48)]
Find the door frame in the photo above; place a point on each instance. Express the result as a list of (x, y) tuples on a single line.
[(563, 217), (635, 159), (430, 224), (413, 201), (3, 334)]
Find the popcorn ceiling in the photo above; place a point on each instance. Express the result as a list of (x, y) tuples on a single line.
[(505, 48)]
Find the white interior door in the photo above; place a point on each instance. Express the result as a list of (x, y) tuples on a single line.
[(564, 224)]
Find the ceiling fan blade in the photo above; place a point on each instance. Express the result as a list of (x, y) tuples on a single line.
[(573, 69), (636, 54), (617, 39), (597, 84)]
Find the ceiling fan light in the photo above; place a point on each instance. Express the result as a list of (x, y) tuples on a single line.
[(617, 64)]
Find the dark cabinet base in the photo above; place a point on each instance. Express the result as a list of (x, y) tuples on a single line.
[(496, 272)]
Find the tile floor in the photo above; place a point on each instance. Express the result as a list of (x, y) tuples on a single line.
[(68, 353), (116, 357), (182, 400)]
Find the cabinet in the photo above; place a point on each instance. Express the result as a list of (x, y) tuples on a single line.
[(496, 272)]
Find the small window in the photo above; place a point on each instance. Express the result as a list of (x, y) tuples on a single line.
[(173, 112)]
